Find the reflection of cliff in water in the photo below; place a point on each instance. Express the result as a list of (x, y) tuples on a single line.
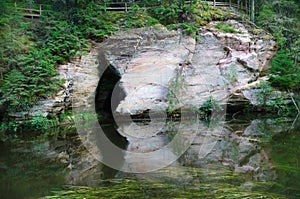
[(105, 105), (240, 147), (88, 170), (234, 145)]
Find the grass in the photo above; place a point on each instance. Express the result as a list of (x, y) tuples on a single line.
[(226, 27)]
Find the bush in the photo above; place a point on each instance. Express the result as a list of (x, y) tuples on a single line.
[(63, 42), (188, 29), (93, 22), (32, 81), (285, 73), (30, 51), (208, 107)]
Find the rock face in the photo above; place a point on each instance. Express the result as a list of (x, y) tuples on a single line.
[(159, 67), (147, 60), (218, 65)]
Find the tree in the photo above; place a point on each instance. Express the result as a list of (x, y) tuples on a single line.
[(281, 18), (285, 72), (252, 10)]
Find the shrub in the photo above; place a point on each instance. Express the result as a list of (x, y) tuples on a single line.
[(208, 107), (285, 73)]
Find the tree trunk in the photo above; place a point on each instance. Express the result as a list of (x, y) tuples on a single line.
[(252, 10), (247, 7)]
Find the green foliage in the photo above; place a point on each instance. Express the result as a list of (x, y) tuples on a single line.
[(14, 40), (281, 18), (26, 69), (63, 42), (263, 93), (167, 14), (285, 72), (271, 22), (3, 8), (232, 74), (189, 18), (176, 86), (187, 29), (36, 123), (135, 18), (283, 23), (226, 27), (93, 22), (31, 81), (31, 50), (203, 14), (208, 107), (40, 122), (172, 12), (271, 101)]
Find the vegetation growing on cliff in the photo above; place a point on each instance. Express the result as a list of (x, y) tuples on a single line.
[(281, 19), (30, 49)]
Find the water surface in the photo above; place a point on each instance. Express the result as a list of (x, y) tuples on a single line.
[(254, 158)]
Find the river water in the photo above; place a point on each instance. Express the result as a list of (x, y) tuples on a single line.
[(254, 157)]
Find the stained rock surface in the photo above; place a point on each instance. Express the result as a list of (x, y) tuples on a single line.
[(218, 65)]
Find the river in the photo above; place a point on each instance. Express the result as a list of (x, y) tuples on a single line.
[(253, 157)]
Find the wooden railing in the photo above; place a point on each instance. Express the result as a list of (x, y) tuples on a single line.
[(125, 6), (30, 12), (116, 6), (226, 4)]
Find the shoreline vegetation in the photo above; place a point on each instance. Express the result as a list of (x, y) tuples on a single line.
[(31, 49)]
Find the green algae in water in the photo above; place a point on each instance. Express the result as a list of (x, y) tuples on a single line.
[(142, 189), (196, 183)]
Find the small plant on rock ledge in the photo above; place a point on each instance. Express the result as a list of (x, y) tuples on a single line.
[(226, 27), (263, 94), (208, 107), (176, 87), (232, 74)]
